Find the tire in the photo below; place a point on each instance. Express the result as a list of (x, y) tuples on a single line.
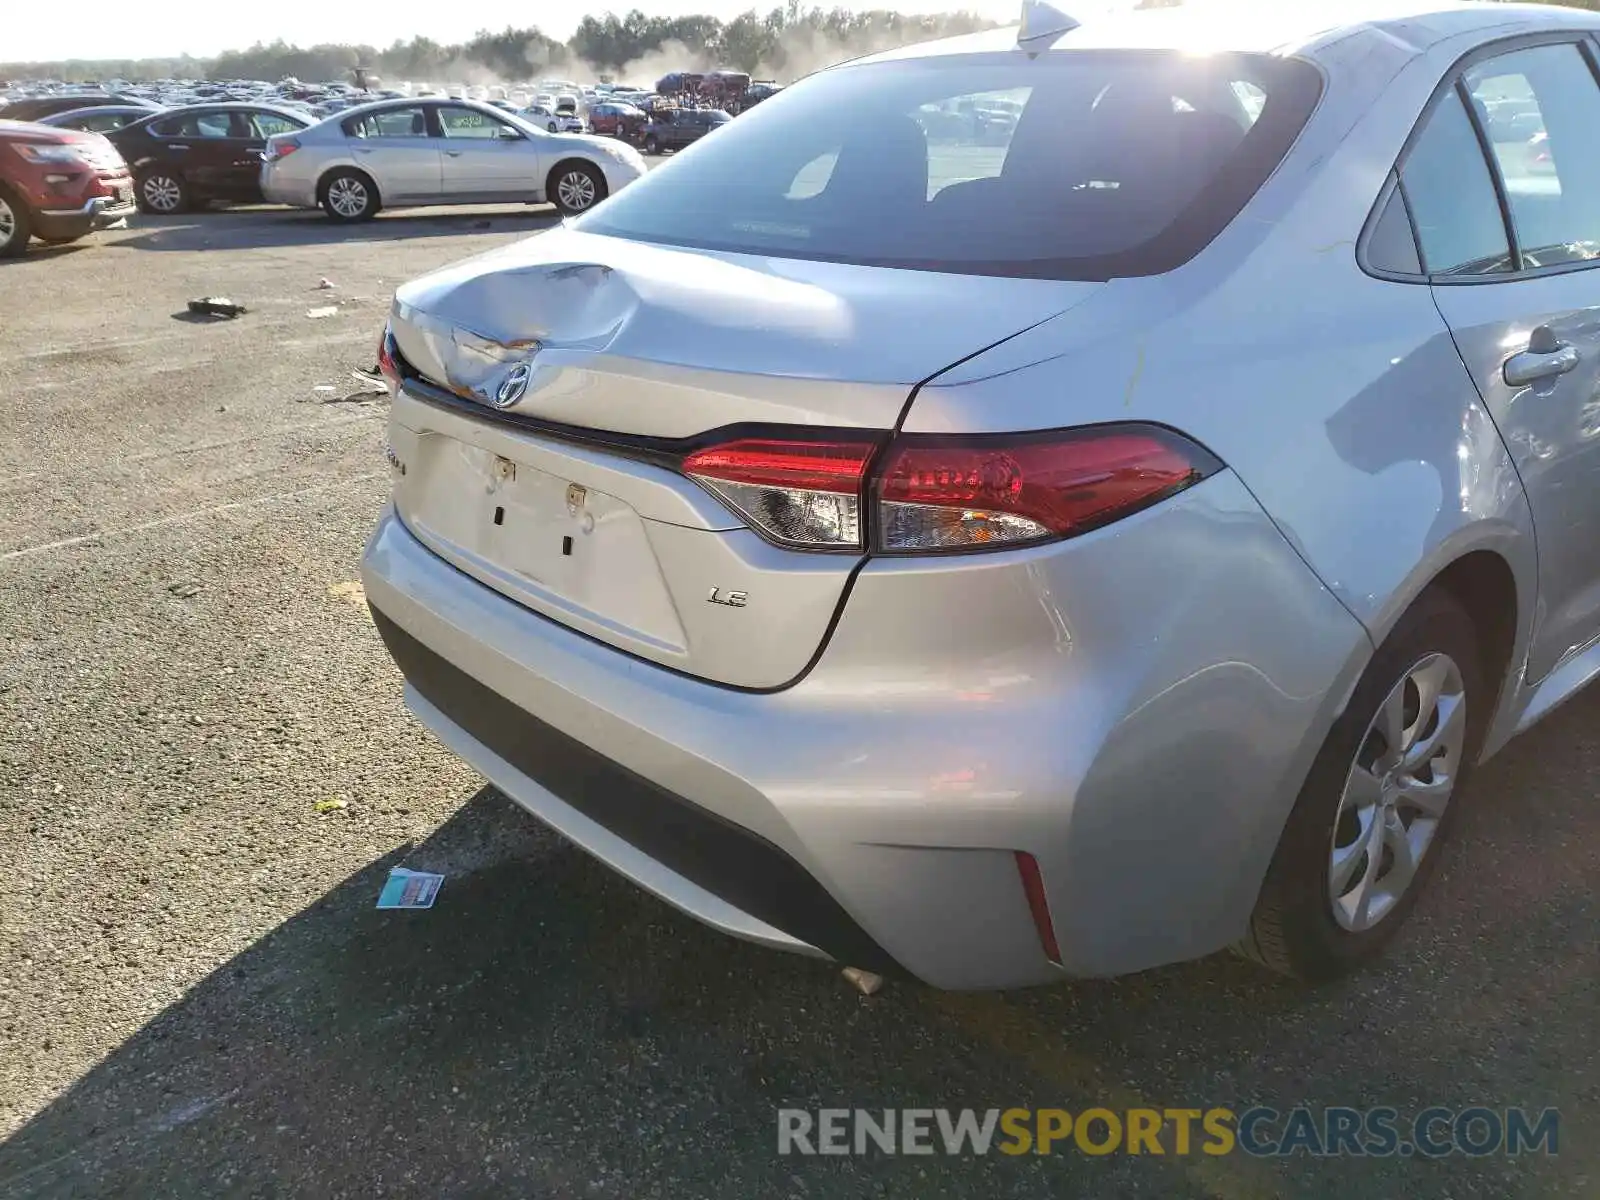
[(575, 187), (651, 144), (552, 127), (162, 193), (66, 241), (1299, 928), (348, 196), (16, 226)]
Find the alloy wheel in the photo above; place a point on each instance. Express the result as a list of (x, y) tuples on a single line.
[(162, 193), (8, 223), (1396, 792), (348, 196), (576, 191)]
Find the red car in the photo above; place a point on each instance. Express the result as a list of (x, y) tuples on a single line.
[(58, 185), (614, 119)]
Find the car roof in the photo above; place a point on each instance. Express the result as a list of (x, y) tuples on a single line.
[(104, 110), (227, 106), (1282, 27)]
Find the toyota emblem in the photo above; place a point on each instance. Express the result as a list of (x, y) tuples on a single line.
[(513, 387)]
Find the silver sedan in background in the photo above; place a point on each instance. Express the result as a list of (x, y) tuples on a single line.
[(424, 152)]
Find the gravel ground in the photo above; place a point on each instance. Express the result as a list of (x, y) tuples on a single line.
[(197, 998)]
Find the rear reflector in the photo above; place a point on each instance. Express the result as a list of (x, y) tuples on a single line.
[(1038, 904), (985, 492), (796, 493)]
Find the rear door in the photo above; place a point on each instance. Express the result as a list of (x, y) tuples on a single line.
[(201, 146), (258, 126), (1511, 242), (395, 147), (485, 158)]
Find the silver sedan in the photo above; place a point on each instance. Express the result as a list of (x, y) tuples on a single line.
[(1058, 557), (425, 152)]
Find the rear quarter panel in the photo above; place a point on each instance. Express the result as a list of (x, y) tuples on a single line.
[(1339, 399)]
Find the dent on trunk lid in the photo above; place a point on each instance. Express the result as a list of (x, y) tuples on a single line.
[(700, 339)]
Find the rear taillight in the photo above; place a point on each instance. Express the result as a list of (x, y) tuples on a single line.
[(974, 493), (280, 148), (805, 494), (931, 494), (388, 366)]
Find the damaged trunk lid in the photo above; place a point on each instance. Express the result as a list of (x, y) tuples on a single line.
[(554, 385)]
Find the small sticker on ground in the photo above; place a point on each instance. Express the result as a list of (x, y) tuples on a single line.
[(409, 889)]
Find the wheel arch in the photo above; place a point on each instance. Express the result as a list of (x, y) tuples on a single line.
[(1492, 572)]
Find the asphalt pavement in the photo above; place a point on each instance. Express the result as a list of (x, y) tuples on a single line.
[(197, 997)]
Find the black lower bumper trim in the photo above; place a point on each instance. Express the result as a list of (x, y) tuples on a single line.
[(727, 860)]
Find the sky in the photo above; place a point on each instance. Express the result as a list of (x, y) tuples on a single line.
[(117, 29)]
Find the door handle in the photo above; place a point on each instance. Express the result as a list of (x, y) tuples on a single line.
[(363, 150), (453, 153), (1537, 362), (176, 147)]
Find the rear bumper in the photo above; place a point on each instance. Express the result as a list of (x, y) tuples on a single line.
[(276, 188), (725, 874), (1135, 709)]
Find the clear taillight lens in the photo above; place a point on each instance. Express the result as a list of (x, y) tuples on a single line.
[(280, 148), (985, 492), (803, 494)]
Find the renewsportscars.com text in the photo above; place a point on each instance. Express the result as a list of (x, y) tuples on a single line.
[(1259, 1131)]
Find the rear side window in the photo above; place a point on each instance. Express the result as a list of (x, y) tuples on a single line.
[(1082, 164), (1541, 111), (410, 121), (1452, 196), (196, 125), (271, 124)]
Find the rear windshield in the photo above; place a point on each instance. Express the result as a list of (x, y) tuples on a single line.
[(1075, 165)]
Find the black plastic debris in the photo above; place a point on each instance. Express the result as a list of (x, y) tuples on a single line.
[(216, 306)]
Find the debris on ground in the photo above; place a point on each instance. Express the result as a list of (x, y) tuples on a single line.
[(324, 389), (351, 591), (865, 982), (183, 590), (329, 310), (332, 804), (326, 284), (371, 375), (217, 306), (409, 889)]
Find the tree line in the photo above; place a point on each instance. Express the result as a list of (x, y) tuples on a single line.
[(782, 43)]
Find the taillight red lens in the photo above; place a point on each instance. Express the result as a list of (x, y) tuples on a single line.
[(387, 366), (798, 493), (980, 492), (281, 148), (949, 493)]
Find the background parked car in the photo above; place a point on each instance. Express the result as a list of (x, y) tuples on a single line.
[(551, 121), (614, 119), (35, 107), (58, 185), (187, 156), (397, 152), (675, 128), (101, 119)]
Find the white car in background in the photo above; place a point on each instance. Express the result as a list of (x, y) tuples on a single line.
[(553, 122), (404, 153)]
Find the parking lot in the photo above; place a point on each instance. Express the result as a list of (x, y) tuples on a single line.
[(197, 997)]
